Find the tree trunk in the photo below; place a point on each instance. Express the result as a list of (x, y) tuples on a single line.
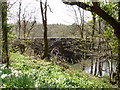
[(44, 19), (24, 28), (82, 29), (99, 48), (83, 66), (110, 69), (91, 72), (110, 63), (45, 42), (95, 72), (0, 32), (93, 28), (100, 68), (19, 20), (118, 64), (5, 34)]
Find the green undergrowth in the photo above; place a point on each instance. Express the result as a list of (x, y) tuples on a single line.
[(27, 73)]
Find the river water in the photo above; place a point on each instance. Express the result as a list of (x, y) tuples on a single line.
[(105, 67)]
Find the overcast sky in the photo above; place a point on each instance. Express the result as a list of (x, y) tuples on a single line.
[(61, 13)]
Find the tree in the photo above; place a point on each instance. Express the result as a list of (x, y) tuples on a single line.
[(44, 20), (24, 26), (95, 7), (0, 32), (19, 17), (5, 58), (93, 28), (99, 48)]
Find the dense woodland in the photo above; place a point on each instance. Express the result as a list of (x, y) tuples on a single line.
[(85, 54)]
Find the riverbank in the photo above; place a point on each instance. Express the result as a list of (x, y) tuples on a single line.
[(27, 73)]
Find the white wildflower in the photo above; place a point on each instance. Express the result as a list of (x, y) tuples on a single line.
[(15, 71), (2, 67), (16, 74), (0, 72), (3, 76), (19, 72), (36, 85)]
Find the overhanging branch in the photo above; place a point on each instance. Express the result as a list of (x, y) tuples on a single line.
[(79, 4)]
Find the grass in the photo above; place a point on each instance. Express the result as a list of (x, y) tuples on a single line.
[(27, 73)]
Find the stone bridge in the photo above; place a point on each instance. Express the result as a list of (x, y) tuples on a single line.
[(70, 49)]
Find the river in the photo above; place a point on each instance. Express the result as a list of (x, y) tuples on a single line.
[(105, 67)]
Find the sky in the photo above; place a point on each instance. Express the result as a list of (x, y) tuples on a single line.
[(61, 13)]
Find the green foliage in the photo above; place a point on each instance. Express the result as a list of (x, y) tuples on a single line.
[(110, 8), (111, 38), (18, 81), (26, 73), (11, 34)]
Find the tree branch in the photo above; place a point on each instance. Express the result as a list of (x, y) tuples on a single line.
[(79, 4), (107, 17), (95, 8)]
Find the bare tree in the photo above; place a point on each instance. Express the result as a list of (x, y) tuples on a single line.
[(25, 23), (44, 20), (19, 19), (27, 26)]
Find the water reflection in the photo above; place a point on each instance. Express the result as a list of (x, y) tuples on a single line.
[(105, 67)]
